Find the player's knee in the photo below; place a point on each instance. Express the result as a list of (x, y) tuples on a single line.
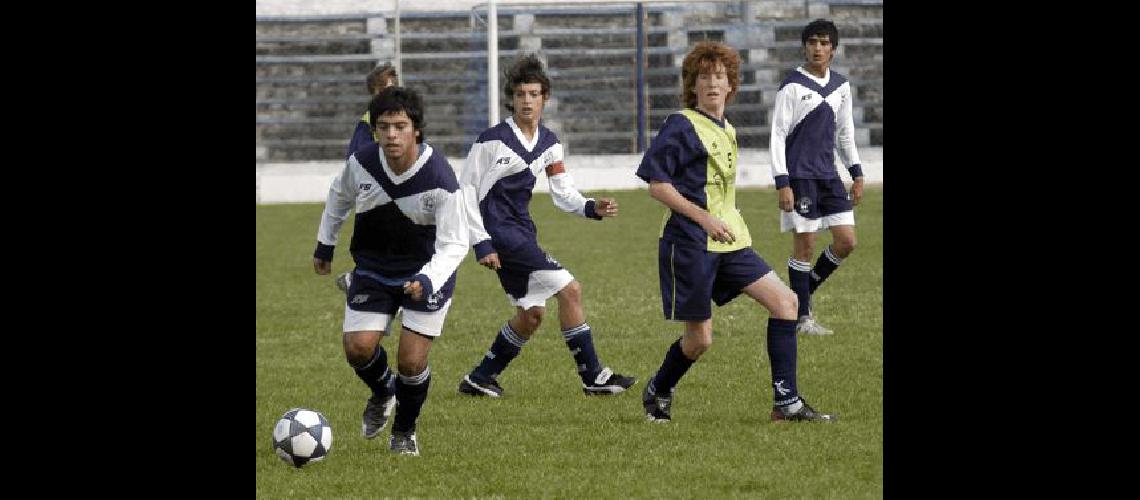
[(786, 306), (412, 367), (530, 320), (694, 347), (844, 246), (572, 292), (357, 351)]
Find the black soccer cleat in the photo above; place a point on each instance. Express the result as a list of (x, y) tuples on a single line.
[(376, 413), (476, 386), (805, 414), (404, 443), (608, 382), (657, 409)]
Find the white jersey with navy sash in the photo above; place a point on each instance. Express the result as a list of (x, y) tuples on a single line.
[(811, 120), (406, 225), (497, 181)]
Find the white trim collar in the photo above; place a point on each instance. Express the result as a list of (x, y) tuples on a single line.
[(522, 138), (821, 81), (425, 153)]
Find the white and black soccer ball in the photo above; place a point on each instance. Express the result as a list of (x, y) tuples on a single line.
[(302, 436)]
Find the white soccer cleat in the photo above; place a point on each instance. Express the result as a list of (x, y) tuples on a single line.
[(808, 326)]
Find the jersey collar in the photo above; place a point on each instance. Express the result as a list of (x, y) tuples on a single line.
[(425, 153)]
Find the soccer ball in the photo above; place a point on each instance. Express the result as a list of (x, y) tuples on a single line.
[(302, 436)]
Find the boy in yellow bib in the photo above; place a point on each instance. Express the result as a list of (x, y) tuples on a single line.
[(705, 253)]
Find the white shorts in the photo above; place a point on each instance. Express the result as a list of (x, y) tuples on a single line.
[(427, 323), (793, 221), (542, 285)]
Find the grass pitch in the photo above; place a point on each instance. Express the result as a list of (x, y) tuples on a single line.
[(544, 438)]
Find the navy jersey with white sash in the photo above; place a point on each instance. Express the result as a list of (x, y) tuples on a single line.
[(407, 225), (497, 181), (811, 120)]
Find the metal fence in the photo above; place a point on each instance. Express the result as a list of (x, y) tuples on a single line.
[(615, 69)]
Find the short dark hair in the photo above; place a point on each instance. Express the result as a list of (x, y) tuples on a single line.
[(820, 27), (527, 69), (379, 76), (395, 100)]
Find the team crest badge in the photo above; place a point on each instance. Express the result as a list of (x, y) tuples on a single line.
[(433, 300), (803, 205), (427, 204)]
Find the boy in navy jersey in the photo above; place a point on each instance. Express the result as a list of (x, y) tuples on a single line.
[(410, 237), (705, 251), (497, 180), (811, 120)]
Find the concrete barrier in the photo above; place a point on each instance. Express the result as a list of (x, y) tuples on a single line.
[(309, 182)]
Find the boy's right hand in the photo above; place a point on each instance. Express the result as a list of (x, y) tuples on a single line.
[(786, 198), (322, 266)]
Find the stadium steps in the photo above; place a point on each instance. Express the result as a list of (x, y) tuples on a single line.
[(310, 72)]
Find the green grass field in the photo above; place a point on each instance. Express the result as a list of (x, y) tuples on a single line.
[(544, 438)]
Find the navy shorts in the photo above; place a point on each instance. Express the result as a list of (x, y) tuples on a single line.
[(692, 277), (519, 263), (815, 198), (372, 292)]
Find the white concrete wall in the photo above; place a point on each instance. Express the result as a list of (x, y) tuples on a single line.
[(309, 182)]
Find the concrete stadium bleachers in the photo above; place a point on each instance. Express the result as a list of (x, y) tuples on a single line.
[(311, 69)]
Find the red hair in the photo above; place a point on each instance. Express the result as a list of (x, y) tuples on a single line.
[(703, 58)]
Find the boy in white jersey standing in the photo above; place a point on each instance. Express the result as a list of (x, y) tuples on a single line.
[(497, 181), (811, 120)]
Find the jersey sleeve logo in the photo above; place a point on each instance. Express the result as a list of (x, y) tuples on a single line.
[(427, 204), (503, 160), (365, 186)]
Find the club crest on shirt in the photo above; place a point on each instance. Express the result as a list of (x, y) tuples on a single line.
[(433, 300), (503, 160), (427, 204), (803, 205)]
